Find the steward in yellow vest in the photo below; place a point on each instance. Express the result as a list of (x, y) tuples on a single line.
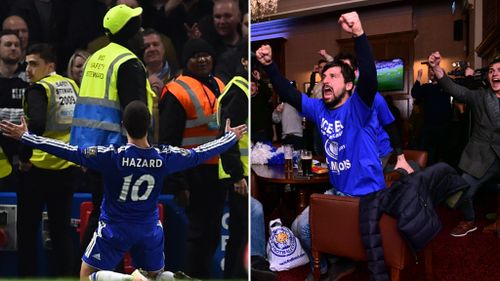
[(5, 167), (49, 106), (46, 180), (112, 78), (233, 166), (229, 104)]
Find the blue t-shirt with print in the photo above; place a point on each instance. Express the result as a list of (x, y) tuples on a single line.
[(349, 135), (385, 118)]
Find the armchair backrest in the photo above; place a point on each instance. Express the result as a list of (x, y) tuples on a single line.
[(334, 222)]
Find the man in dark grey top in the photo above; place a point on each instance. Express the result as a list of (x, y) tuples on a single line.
[(480, 159)]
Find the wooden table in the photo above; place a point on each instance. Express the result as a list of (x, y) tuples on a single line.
[(262, 174)]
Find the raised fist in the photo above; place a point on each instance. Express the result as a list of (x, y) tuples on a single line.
[(434, 59), (264, 55), (350, 23)]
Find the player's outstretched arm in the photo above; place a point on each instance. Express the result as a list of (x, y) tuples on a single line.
[(55, 147), (181, 159)]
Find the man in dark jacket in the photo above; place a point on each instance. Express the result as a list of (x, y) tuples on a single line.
[(480, 159)]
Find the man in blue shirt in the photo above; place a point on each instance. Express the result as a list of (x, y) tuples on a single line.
[(347, 120), (133, 177), (347, 126), (389, 138)]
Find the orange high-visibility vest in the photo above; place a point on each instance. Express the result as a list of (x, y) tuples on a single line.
[(200, 104)]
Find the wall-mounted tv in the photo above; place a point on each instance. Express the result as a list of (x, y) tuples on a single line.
[(390, 74)]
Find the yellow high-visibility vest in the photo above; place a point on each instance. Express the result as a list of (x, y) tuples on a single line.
[(61, 94), (5, 167), (99, 94), (242, 83)]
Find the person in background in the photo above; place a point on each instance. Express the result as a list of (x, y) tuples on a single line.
[(129, 220), (437, 112), (159, 69), (224, 35), (244, 25), (389, 135), (75, 65), (188, 117), (12, 88), (261, 109), (113, 77), (233, 167), (18, 25), (316, 88), (480, 159), (291, 124), (46, 180)]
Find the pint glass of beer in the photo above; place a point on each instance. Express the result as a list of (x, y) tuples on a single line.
[(306, 162), (288, 151)]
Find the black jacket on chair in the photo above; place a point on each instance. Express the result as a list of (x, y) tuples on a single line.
[(411, 201)]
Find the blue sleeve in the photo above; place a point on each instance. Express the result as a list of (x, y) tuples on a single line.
[(283, 87), (384, 114), (311, 107), (95, 157), (179, 159), (367, 83)]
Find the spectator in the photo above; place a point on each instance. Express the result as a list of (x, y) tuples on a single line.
[(18, 25), (114, 76), (12, 88), (291, 124), (244, 25), (226, 17), (188, 118), (85, 24), (75, 65), (315, 89), (389, 136), (437, 112), (129, 221), (233, 167), (49, 105), (223, 34), (156, 60), (346, 135), (47, 22), (261, 109), (178, 20), (480, 159)]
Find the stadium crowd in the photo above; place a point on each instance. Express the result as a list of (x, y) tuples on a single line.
[(71, 67)]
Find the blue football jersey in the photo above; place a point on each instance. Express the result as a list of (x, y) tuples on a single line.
[(350, 138), (384, 117), (133, 176)]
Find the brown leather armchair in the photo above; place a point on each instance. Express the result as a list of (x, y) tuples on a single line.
[(419, 156), (334, 222)]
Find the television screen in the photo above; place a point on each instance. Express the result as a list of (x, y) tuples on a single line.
[(390, 74)]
